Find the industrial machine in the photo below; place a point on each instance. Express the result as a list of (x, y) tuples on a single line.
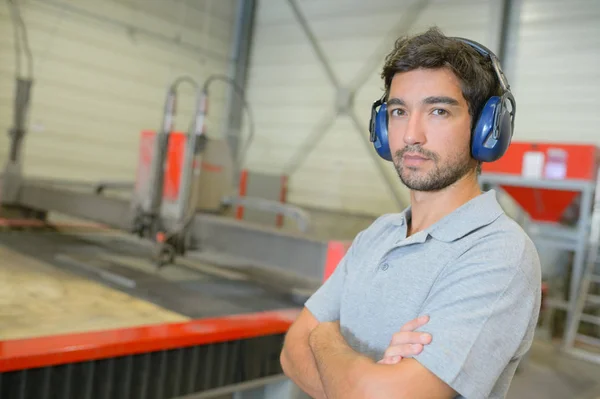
[(193, 234), (180, 176)]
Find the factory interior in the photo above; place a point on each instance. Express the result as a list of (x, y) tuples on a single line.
[(178, 177)]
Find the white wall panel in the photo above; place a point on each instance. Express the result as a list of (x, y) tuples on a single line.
[(290, 92), (98, 84), (554, 58)]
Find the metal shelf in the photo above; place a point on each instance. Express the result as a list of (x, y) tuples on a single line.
[(556, 235), (519, 181), (556, 243)]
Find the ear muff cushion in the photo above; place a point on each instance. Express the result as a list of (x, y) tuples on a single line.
[(484, 147), (382, 145)]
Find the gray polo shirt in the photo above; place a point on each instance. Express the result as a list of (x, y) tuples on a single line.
[(475, 273)]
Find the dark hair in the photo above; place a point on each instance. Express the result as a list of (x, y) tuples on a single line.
[(432, 49)]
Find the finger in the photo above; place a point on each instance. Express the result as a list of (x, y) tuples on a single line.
[(401, 338), (415, 323), (395, 359), (390, 360), (403, 350)]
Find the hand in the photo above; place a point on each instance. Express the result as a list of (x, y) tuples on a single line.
[(406, 342)]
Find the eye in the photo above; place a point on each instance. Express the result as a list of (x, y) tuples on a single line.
[(397, 112), (440, 112)]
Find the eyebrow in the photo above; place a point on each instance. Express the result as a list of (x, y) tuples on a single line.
[(440, 100), (428, 100), (395, 101)]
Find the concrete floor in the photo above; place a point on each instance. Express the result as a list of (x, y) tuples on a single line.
[(549, 374)]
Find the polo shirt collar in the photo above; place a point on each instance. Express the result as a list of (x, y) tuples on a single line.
[(478, 212)]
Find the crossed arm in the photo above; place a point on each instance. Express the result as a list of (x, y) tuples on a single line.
[(317, 358)]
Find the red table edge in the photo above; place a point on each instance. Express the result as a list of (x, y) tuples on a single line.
[(27, 353), (20, 354)]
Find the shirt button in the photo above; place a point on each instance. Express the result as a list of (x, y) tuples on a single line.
[(385, 266)]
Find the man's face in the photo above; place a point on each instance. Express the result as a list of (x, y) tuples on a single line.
[(429, 129)]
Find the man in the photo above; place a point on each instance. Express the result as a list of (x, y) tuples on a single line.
[(452, 266)]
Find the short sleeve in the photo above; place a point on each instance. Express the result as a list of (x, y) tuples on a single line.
[(483, 309), (325, 303)]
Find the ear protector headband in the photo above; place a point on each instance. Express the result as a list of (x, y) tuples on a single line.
[(492, 132)]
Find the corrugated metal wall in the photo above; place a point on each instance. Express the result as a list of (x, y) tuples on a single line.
[(552, 64), (554, 68), (101, 71), (291, 94)]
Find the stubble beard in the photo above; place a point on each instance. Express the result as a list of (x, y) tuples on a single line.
[(439, 177)]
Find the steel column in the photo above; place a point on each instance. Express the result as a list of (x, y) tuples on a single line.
[(241, 54), (13, 170), (505, 24)]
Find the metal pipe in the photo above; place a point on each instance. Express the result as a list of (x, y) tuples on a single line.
[(300, 216), (193, 147), (21, 106), (161, 144)]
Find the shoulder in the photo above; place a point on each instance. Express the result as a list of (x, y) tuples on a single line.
[(503, 244), (379, 228)]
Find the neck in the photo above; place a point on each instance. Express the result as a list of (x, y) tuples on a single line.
[(428, 207)]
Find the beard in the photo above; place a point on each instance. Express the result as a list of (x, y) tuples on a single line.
[(439, 177)]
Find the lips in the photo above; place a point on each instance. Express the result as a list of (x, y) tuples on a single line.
[(413, 160), (414, 157)]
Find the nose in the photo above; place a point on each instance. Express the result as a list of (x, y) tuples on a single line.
[(414, 133)]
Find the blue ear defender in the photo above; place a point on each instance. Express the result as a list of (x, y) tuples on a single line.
[(378, 129), (492, 132)]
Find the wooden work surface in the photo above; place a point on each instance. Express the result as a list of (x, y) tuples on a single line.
[(38, 299)]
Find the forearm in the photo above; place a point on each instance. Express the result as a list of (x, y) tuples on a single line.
[(347, 374), (299, 365), (338, 365)]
